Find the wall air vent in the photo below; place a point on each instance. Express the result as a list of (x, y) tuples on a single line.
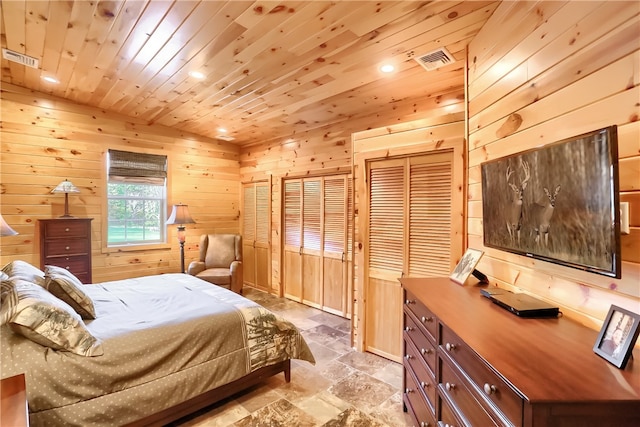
[(20, 58), (225, 137), (432, 60)]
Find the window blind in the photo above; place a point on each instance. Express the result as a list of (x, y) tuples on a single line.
[(125, 166)]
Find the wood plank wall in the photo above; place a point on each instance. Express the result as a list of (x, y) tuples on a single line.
[(328, 150), (46, 140), (541, 72)]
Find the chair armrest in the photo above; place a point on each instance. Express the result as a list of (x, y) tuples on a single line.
[(237, 279), (196, 267)]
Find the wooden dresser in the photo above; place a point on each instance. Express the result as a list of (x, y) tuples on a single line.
[(468, 362), (66, 242)]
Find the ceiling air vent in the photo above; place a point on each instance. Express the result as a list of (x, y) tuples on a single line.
[(19, 58), (437, 58), (225, 137)]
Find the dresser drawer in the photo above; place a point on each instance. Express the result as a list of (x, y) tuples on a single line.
[(422, 413), (424, 345), (424, 376), (447, 419), (60, 247), (69, 228), (422, 313), (454, 388), (487, 384)]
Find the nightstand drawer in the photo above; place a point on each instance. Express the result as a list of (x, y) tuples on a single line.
[(68, 228), (66, 247), (75, 264), (488, 385)]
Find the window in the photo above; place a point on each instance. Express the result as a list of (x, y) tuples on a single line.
[(136, 198)]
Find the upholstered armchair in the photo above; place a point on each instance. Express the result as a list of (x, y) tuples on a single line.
[(220, 261)]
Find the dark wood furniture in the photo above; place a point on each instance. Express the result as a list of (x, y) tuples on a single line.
[(66, 242), (493, 368), (13, 398), (214, 396)]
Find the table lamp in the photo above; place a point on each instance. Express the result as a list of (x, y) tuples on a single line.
[(66, 187)]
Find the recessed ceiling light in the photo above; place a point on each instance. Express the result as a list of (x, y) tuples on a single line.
[(50, 79), (222, 130), (196, 75), (387, 68)]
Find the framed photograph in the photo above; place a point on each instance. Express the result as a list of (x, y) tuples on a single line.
[(466, 265), (618, 336)]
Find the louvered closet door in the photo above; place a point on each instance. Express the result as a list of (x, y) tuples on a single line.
[(255, 235), (293, 239), (262, 244), (335, 254), (430, 204), (249, 234), (312, 242), (385, 254), (410, 208)]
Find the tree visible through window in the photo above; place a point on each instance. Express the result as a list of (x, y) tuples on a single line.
[(136, 194)]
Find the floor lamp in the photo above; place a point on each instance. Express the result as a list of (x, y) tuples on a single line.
[(180, 216)]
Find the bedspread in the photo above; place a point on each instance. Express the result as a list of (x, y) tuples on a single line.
[(166, 339)]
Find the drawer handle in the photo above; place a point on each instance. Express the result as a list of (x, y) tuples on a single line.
[(66, 248), (424, 424), (66, 229), (408, 328), (408, 390), (67, 267), (450, 386), (426, 351), (490, 389), (450, 347), (426, 319), (410, 301), (424, 385), (407, 356)]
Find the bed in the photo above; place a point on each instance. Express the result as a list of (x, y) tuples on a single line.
[(164, 347)]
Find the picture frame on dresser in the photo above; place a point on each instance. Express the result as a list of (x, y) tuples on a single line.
[(618, 336), (466, 265)]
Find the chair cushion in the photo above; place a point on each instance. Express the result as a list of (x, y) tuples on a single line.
[(218, 276), (221, 251)]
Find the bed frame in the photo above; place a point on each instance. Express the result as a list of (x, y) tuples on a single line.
[(213, 396)]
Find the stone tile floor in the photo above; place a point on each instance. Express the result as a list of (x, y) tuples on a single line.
[(344, 389)]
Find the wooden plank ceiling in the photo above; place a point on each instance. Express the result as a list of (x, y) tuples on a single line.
[(271, 69)]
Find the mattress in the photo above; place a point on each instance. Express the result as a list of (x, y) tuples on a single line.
[(166, 339)]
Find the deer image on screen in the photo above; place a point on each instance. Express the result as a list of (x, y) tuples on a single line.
[(542, 214), (514, 211)]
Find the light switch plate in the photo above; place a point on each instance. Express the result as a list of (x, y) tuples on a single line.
[(624, 217)]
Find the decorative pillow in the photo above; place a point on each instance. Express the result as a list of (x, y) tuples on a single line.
[(48, 321), (3, 275), (64, 285), (25, 271), (8, 298)]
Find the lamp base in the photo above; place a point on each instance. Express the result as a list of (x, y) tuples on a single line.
[(66, 216)]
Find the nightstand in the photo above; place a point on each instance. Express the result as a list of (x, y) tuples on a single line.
[(66, 243), (13, 402)]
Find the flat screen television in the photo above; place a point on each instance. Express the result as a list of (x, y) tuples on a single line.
[(558, 203)]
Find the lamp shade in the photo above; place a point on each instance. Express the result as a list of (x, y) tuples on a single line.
[(180, 215), (5, 230), (66, 187)]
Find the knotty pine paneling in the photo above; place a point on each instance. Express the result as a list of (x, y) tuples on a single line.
[(432, 133), (565, 70), (46, 140)]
